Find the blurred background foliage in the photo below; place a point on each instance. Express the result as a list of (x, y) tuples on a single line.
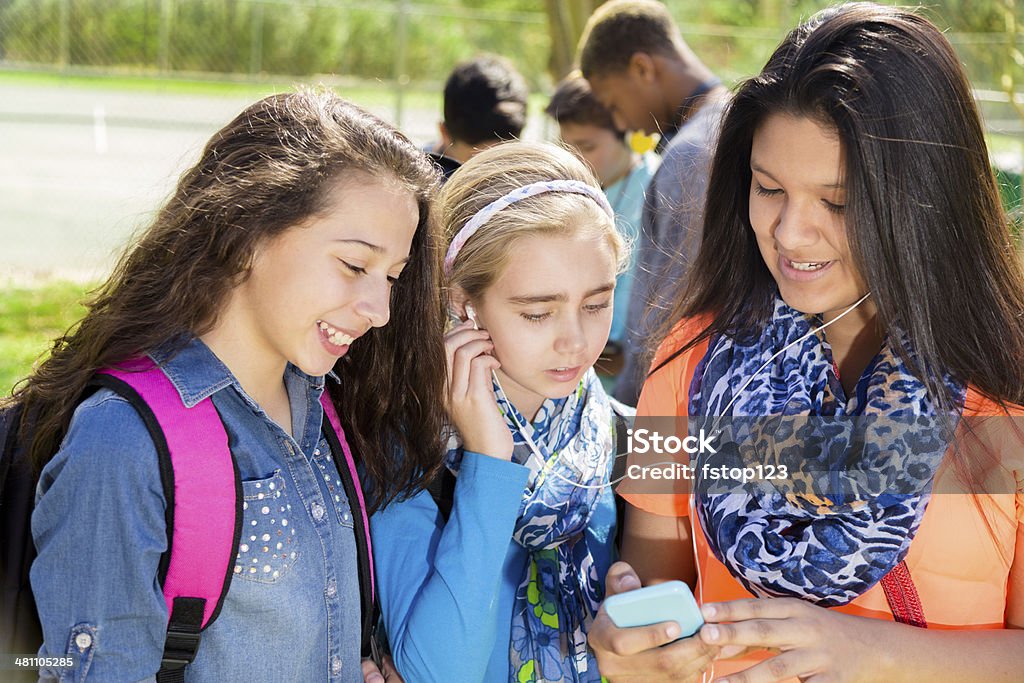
[(417, 40), (404, 49)]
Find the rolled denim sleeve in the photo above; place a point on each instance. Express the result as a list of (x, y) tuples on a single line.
[(99, 528)]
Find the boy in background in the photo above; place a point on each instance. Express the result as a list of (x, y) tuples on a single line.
[(484, 104), (587, 127), (640, 68)]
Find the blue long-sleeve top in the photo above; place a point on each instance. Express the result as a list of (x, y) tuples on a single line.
[(446, 590)]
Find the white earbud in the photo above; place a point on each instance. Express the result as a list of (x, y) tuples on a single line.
[(471, 315)]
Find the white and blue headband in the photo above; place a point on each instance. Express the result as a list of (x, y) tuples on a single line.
[(519, 194)]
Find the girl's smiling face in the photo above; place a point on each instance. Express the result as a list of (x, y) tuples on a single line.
[(548, 314), (316, 288), (797, 207)]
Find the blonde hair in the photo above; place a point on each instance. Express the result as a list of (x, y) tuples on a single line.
[(495, 172)]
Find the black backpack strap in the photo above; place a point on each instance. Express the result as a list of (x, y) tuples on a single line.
[(20, 630), (368, 607), (183, 634), (620, 427), (10, 426), (622, 422)]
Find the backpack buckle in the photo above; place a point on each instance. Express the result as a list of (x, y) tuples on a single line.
[(180, 648), (183, 633)]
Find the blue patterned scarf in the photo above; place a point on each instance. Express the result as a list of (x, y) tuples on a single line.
[(561, 589), (859, 469)]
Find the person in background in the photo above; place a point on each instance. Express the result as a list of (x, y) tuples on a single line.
[(587, 127), (642, 71), (484, 104)]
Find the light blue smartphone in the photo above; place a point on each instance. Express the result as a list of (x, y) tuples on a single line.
[(669, 601)]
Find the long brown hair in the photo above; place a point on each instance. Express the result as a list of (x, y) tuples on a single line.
[(923, 217), (265, 172)]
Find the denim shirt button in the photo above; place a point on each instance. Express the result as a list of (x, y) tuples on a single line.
[(336, 665), (318, 511), (332, 588), (83, 641)]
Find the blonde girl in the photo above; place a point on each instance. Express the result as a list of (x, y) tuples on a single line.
[(506, 586)]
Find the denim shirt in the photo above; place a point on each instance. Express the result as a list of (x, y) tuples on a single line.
[(292, 610)]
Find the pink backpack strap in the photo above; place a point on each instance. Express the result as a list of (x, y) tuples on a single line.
[(203, 491), (346, 465)]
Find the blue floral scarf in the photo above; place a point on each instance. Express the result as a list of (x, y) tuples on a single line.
[(561, 589), (858, 470)]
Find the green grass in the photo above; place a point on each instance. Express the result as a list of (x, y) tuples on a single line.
[(154, 83), (1005, 144), (30, 318), (420, 96), (366, 93)]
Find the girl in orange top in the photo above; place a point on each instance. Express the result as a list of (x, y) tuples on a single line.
[(856, 279)]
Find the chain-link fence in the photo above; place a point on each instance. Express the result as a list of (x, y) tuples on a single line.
[(252, 38), (403, 44), (398, 45)]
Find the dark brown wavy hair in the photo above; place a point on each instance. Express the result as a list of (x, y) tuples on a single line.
[(923, 218), (267, 171)]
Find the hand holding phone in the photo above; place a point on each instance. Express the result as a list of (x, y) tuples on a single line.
[(631, 640), (669, 601)]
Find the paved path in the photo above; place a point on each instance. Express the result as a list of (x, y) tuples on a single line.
[(83, 168)]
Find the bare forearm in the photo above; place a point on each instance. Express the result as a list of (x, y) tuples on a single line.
[(915, 655), (814, 641), (658, 548)]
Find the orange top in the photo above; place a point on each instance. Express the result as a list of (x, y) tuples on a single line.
[(959, 560)]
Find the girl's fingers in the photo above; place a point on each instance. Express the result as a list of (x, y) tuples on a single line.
[(460, 363), (460, 335), (621, 578), (390, 672), (762, 623), (626, 642), (771, 633), (371, 674), (636, 652), (455, 340), (481, 368), (753, 608), (793, 664)]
